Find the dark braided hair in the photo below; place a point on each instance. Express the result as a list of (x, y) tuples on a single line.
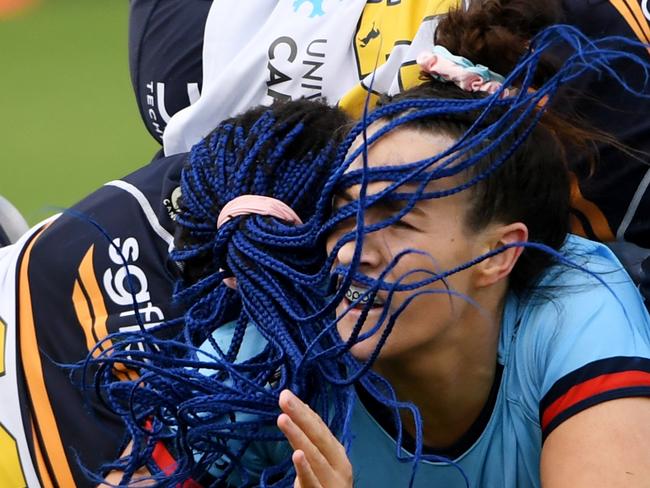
[(198, 400)]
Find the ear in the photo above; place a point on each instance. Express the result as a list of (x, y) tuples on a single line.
[(499, 266)]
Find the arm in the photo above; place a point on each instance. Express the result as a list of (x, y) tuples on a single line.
[(607, 445)]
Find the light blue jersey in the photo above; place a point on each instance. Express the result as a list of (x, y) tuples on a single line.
[(578, 343)]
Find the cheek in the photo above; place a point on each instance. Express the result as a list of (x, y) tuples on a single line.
[(329, 245), (331, 241), (427, 252), (337, 233), (438, 258)]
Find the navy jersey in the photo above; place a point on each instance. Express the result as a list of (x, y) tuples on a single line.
[(613, 203), (165, 57), (71, 289)]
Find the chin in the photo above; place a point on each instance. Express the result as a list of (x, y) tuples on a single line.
[(364, 349)]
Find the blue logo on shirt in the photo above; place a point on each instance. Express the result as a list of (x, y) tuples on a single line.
[(316, 7)]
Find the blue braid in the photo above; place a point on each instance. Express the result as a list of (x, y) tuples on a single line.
[(210, 407)]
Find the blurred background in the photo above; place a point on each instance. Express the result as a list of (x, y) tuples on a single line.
[(68, 117)]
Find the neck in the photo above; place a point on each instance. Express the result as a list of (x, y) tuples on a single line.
[(449, 381)]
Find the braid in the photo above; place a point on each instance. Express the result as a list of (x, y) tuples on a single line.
[(210, 406)]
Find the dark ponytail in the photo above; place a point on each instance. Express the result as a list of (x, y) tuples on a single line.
[(496, 33)]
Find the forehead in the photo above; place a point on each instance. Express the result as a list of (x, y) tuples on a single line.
[(401, 146)]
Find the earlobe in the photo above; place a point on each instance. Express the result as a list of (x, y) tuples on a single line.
[(499, 266)]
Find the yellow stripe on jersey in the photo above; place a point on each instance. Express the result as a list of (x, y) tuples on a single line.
[(43, 415), (91, 311)]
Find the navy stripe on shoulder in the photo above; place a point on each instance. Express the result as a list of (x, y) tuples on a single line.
[(634, 391), (594, 383), (591, 370)]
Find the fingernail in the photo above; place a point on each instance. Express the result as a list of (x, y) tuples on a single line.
[(289, 399), (291, 404)]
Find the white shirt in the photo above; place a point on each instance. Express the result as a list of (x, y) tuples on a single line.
[(256, 51)]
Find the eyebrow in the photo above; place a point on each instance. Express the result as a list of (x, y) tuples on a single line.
[(389, 205), (396, 206)]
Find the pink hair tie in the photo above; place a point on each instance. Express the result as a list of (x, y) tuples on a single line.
[(259, 205), (441, 64)]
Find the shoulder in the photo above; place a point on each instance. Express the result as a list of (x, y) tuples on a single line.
[(10, 258), (588, 289), (584, 342)]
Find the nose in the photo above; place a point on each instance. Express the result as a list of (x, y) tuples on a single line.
[(370, 252)]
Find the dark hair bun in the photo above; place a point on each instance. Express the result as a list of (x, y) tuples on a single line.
[(495, 33)]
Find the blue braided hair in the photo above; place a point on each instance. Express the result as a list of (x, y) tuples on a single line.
[(209, 405)]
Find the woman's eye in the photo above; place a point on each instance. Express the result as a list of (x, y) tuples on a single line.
[(402, 224), (338, 204)]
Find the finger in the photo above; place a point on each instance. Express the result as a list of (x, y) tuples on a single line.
[(299, 441), (314, 428), (305, 476)]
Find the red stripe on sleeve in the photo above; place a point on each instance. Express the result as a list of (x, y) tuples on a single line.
[(592, 387), (167, 464), (163, 458)]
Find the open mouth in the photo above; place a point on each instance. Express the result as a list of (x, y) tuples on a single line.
[(360, 297)]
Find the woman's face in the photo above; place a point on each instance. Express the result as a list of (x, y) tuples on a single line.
[(436, 227)]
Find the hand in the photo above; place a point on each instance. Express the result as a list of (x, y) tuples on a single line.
[(141, 477), (319, 458)]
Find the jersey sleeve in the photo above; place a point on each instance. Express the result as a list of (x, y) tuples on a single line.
[(590, 342), (73, 282)]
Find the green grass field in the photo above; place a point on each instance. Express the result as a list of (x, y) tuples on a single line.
[(68, 117)]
